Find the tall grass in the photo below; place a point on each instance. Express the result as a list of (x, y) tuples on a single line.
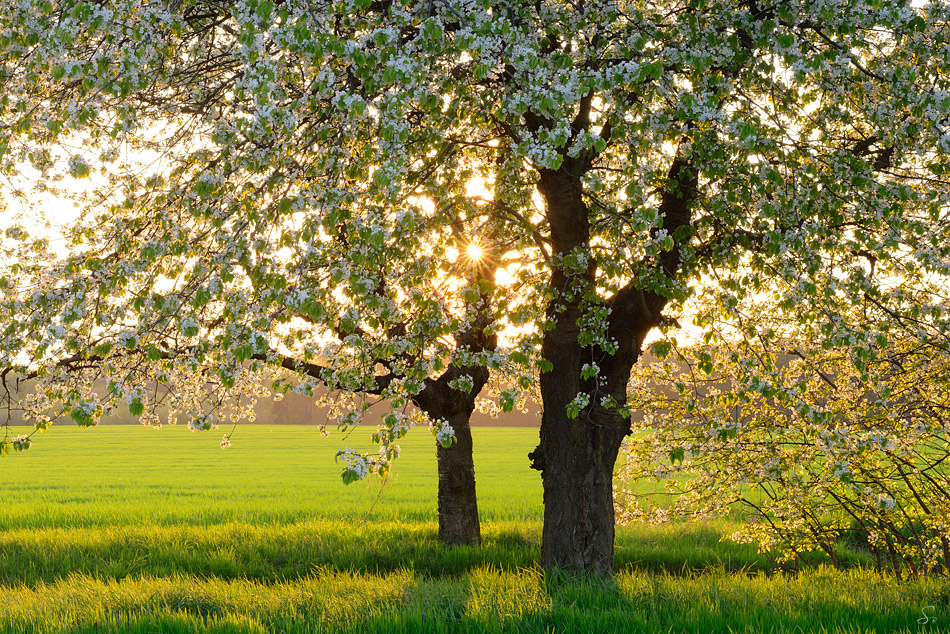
[(484, 599), (124, 529)]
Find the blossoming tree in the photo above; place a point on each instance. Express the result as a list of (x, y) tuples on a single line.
[(633, 150), (827, 424), (239, 259)]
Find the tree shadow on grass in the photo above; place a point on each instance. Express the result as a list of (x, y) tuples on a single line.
[(260, 553), (483, 599), (717, 603), (284, 552)]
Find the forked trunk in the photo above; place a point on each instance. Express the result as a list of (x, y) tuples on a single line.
[(580, 439)]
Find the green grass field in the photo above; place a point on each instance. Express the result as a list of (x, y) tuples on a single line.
[(127, 529)]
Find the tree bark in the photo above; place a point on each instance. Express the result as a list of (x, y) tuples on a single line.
[(577, 474), (458, 504), (576, 455)]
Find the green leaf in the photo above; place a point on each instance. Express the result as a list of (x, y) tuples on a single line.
[(79, 169), (705, 362), (284, 205), (264, 10), (677, 455), (243, 352), (81, 417), (380, 179), (726, 434)]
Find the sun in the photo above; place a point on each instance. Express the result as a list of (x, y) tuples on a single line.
[(475, 252)]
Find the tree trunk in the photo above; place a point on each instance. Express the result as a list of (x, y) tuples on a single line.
[(458, 505), (576, 454), (579, 457)]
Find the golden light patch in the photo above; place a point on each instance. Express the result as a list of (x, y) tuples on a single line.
[(475, 252)]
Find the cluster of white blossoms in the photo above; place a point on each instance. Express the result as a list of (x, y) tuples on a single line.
[(202, 423), (884, 501), (577, 404), (442, 431), (463, 383), (21, 442), (356, 465)]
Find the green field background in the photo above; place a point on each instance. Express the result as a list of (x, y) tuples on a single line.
[(120, 475)]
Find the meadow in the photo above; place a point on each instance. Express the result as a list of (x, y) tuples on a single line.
[(127, 529)]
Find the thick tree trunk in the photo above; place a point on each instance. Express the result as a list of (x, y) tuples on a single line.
[(458, 504), (576, 454), (579, 457)]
